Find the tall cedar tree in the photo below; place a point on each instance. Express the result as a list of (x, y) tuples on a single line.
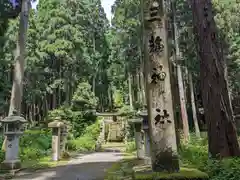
[(214, 83)]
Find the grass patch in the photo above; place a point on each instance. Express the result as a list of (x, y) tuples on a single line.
[(32, 166), (42, 163)]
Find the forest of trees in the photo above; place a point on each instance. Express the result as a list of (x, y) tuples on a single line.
[(60, 43), (65, 56)]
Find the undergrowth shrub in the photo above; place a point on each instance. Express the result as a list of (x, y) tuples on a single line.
[(227, 169), (80, 114), (195, 155), (78, 120), (35, 144), (87, 141), (131, 147), (83, 144), (2, 154)]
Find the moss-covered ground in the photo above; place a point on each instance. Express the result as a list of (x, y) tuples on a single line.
[(124, 170), (144, 172)]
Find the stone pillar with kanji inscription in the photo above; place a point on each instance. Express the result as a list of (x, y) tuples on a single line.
[(159, 96)]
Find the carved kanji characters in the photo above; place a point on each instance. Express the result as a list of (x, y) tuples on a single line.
[(162, 76), (154, 9), (159, 76), (156, 45), (162, 118)]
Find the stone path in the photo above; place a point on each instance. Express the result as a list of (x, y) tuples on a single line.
[(83, 167)]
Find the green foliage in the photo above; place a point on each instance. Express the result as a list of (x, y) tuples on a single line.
[(127, 111), (225, 169), (87, 141), (37, 138), (131, 147), (118, 98), (195, 155), (66, 45), (126, 49), (2, 154), (35, 144), (93, 130), (84, 98), (32, 153), (82, 144), (77, 120)]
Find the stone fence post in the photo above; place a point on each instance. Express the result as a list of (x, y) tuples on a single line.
[(63, 138), (138, 137), (101, 137), (58, 138), (127, 133), (144, 115)]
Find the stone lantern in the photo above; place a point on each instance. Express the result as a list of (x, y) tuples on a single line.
[(59, 132), (144, 115), (138, 136), (13, 128)]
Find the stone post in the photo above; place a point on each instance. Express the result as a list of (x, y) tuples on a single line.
[(13, 129), (109, 132), (144, 115), (103, 131), (63, 138), (138, 137), (101, 137), (56, 134), (127, 134)]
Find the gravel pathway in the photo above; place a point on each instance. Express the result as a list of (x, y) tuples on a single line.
[(83, 167)]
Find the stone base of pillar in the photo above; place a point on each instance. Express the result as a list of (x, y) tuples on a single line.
[(140, 157), (147, 160), (11, 165)]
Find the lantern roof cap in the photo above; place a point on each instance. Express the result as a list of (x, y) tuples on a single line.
[(108, 114), (13, 118), (143, 112), (56, 124), (135, 120)]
